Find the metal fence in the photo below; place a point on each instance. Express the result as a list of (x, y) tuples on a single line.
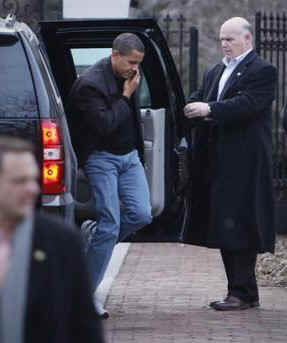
[(183, 43), (271, 44)]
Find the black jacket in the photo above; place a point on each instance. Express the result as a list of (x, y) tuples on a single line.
[(59, 301), (232, 193), (285, 118), (96, 110)]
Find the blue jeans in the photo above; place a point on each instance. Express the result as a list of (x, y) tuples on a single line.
[(122, 204)]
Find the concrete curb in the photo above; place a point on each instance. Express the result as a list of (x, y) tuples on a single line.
[(118, 257)]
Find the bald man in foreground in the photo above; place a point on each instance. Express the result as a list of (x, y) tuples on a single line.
[(230, 117)]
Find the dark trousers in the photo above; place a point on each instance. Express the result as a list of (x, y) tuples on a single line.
[(240, 271)]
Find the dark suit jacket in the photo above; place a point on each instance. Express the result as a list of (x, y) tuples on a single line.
[(59, 302), (96, 110), (285, 117), (232, 167)]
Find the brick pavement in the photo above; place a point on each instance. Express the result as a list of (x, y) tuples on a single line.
[(161, 296)]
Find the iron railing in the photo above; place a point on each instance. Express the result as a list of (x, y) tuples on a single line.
[(271, 44), (183, 43)]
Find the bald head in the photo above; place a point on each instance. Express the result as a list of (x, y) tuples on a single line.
[(235, 36), (237, 24)]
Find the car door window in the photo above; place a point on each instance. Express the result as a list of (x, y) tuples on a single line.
[(45, 64), (85, 57)]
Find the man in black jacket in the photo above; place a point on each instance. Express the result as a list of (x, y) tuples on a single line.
[(104, 119), (45, 294), (232, 191)]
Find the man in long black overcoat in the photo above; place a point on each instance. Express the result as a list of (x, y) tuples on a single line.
[(232, 196)]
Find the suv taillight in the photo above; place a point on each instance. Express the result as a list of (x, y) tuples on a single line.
[(53, 158)]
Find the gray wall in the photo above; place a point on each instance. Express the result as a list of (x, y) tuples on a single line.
[(31, 11), (207, 16)]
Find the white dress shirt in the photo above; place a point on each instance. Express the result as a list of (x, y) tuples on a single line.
[(230, 66)]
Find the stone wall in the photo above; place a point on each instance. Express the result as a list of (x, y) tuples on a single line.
[(28, 11), (207, 16)]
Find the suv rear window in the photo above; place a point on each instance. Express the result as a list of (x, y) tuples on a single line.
[(17, 96)]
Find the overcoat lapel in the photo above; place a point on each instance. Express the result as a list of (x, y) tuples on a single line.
[(40, 260), (212, 94), (237, 73)]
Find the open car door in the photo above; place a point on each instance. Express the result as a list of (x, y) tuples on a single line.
[(74, 45)]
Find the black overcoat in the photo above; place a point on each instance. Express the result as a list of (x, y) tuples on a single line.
[(284, 122), (232, 194), (59, 306)]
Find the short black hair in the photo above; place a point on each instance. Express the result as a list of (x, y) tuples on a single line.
[(126, 42), (12, 144)]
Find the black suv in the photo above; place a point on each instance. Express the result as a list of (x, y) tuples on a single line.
[(31, 107), (31, 104)]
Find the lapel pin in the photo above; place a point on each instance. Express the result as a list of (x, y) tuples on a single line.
[(39, 255), (238, 74)]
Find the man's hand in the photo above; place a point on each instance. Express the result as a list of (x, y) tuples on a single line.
[(131, 84), (196, 109)]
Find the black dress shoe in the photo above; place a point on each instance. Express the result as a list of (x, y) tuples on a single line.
[(254, 303), (232, 303), (217, 301)]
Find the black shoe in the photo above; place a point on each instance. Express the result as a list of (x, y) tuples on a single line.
[(216, 301), (232, 303), (254, 303)]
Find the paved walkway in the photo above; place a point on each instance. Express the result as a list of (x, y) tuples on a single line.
[(161, 294)]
